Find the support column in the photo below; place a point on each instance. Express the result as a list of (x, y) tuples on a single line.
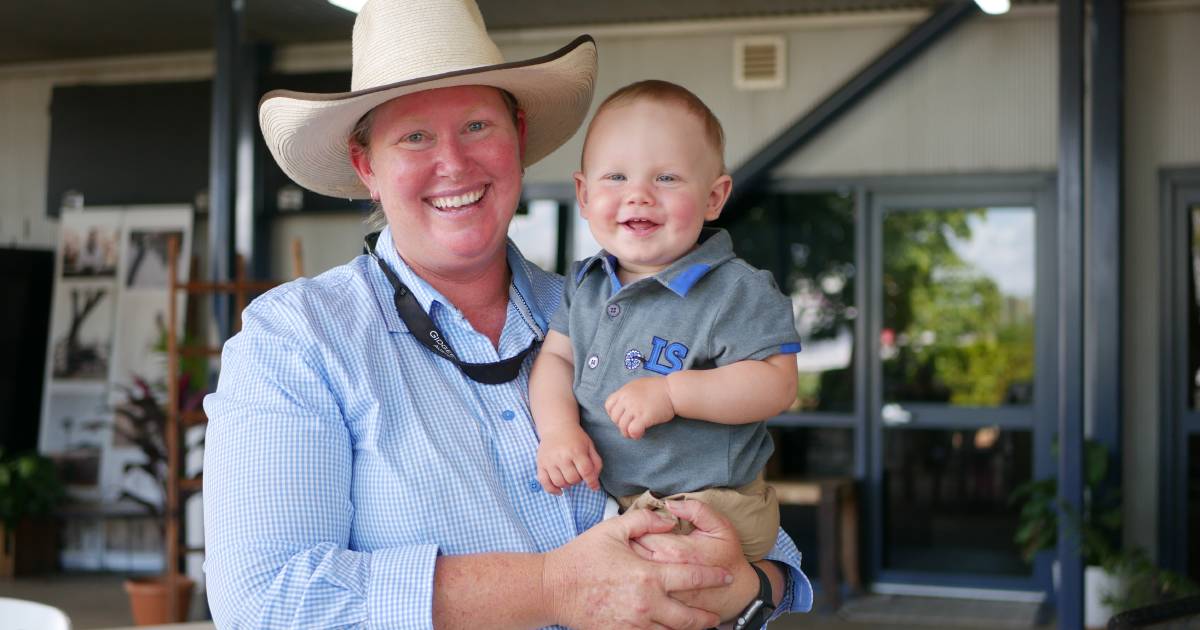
[(253, 224), (1102, 331), (229, 16), (1070, 308)]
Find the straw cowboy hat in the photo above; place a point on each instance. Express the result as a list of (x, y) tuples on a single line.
[(405, 46)]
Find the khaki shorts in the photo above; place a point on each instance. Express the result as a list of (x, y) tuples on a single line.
[(752, 508)]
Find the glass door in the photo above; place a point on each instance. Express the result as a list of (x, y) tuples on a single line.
[(961, 403), (1181, 479)]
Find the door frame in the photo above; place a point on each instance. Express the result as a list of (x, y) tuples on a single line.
[(1179, 190), (1036, 192), (1034, 189)]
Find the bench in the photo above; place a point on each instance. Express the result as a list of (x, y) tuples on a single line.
[(837, 530)]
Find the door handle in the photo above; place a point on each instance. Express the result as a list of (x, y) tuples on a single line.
[(893, 414)]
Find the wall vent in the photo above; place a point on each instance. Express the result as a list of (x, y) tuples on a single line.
[(759, 62)]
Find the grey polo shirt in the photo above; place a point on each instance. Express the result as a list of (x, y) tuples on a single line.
[(707, 309)]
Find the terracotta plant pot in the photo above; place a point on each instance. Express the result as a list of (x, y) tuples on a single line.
[(149, 598)]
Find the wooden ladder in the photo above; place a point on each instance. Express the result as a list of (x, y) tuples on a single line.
[(179, 486)]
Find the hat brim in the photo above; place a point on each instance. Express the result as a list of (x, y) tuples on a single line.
[(308, 133)]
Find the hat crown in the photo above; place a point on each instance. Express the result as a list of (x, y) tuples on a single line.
[(400, 40)]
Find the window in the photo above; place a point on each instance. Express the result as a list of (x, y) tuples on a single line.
[(808, 241)]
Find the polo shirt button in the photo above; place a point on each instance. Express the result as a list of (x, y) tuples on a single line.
[(507, 414), (534, 485), (593, 361), (614, 310)]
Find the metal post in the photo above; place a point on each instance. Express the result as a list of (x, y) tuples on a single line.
[(253, 223), (221, 176), (1102, 332), (1070, 309)]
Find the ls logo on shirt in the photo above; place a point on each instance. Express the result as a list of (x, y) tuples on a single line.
[(666, 357)]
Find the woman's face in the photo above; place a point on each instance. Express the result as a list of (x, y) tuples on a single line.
[(445, 164)]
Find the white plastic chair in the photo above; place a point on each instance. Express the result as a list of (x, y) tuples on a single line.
[(20, 614)]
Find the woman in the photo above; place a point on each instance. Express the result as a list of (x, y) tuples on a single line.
[(370, 455)]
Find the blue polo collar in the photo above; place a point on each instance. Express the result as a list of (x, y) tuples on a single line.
[(715, 247)]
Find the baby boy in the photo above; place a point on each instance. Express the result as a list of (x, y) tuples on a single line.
[(668, 352)]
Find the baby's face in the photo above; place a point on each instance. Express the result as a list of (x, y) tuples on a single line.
[(650, 180)]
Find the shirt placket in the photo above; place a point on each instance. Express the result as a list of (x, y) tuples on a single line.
[(505, 409)]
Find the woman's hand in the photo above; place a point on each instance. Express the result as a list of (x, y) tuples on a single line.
[(713, 542), (598, 581)]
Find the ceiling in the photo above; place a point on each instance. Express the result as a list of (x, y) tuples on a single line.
[(45, 30)]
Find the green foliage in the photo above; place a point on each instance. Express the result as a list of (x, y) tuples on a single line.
[(1143, 583), (193, 370), (959, 339), (1097, 527), (29, 486)]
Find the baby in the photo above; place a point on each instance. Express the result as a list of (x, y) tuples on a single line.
[(667, 352)]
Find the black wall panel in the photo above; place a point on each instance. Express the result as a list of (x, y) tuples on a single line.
[(26, 279), (129, 144), (149, 143)]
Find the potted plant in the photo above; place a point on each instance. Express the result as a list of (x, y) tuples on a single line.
[(141, 419), (29, 492), (1097, 527), (1143, 583)]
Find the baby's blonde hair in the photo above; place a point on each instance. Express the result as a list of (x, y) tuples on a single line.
[(665, 92)]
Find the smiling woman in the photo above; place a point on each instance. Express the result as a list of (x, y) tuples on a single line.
[(370, 454)]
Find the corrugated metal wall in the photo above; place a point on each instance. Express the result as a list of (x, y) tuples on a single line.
[(1162, 83)]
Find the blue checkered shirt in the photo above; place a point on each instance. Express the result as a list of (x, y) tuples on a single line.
[(342, 457)]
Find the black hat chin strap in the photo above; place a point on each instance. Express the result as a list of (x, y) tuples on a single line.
[(428, 334)]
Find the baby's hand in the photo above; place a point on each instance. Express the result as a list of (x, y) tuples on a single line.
[(639, 405), (566, 457)]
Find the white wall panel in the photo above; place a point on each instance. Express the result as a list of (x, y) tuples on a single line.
[(24, 151), (982, 99), (819, 59), (326, 240)]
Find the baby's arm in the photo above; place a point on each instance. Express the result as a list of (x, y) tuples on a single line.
[(738, 393), (566, 454)]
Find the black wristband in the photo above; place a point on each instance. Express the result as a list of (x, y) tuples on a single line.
[(759, 611)]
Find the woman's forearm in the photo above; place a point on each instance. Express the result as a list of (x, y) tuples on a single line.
[(494, 590)]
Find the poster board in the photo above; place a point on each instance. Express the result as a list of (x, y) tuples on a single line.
[(108, 323)]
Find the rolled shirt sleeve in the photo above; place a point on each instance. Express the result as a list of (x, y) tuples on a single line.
[(799, 595)]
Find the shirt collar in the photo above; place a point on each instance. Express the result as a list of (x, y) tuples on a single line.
[(430, 298), (715, 247)]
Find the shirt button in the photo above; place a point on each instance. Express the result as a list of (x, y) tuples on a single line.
[(593, 361), (507, 414), (614, 310), (534, 485)]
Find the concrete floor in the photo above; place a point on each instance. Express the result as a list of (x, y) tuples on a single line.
[(99, 601)]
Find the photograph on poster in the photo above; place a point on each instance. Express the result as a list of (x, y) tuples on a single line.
[(82, 330), (147, 257), (79, 425), (90, 249), (139, 342)]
